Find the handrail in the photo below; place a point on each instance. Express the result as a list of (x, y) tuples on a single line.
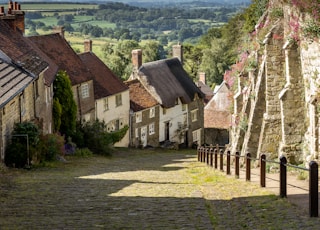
[(210, 155)]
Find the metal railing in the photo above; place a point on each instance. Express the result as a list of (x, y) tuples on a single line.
[(210, 156)]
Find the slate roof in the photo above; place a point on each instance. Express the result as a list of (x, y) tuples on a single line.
[(206, 90), (105, 82), (217, 112), (16, 48), (166, 80), (140, 98), (59, 50), (12, 81)]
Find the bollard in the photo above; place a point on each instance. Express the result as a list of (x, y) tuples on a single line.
[(228, 163), (198, 152), (263, 170), (237, 165), (313, 189), (211, 157), (221, 159), (283, 177), (215, 158), (248, 167)]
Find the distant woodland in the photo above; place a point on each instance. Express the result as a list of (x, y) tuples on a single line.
[(212, 36)]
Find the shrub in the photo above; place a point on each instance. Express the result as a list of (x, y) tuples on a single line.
[(52, 146), (24, 141)]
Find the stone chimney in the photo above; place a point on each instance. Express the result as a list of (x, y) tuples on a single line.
[(177, 51), (59, 30), (14, 17), (136, 59), (88, 45), (202, 77)]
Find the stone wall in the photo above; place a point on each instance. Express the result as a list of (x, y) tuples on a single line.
[(283, 105)]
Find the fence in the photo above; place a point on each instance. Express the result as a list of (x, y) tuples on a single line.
[(210, 155)]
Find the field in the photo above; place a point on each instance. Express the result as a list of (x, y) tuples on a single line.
[(49, 7)]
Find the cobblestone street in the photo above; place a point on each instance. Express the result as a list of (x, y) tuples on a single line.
[(140, 190)]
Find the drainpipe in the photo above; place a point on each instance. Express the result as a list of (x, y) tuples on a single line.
[(79, 103)]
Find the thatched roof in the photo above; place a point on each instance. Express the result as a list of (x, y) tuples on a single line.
[(166, 80)]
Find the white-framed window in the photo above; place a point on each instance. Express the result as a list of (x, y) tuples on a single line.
[(195, 136), (85, 90), (137, 132), (152, 112), (164, 111), (138, 117), (177, 101), (194, 115), (151, 129), (118, 100), (184, 107), (105, 104)]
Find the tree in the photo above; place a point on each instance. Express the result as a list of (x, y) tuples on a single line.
[(118, 57), (152, 51), (215, 61), (63, 95)]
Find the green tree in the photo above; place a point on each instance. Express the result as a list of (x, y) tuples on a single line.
[(152, 51), (63, 95), (118, 57), (215, 61)]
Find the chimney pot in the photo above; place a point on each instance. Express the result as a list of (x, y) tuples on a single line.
[(136, 58), (177, 51), (202, 77), (88, 45), (59, 30)]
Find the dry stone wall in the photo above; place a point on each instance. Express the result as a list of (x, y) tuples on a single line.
[(283, 113)]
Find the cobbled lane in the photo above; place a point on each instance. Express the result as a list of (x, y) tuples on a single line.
[(137, 190)]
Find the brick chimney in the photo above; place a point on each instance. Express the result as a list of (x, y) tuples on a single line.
[(177, 51), (202, 77), (87, 45), (59, 30), (14, 17), (136, 58)]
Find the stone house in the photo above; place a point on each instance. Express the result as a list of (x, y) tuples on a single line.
[(217, 117), (180, 100), (26, 76), (111, 95), (58, 49), (278, 101), (144, 116)]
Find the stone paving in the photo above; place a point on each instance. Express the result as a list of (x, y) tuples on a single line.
[(150, 190)]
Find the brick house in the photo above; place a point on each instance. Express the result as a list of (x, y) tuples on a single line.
[(144, 116), (180, 100), (58, 49), (111, 95)]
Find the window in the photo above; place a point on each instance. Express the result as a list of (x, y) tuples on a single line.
[(195, 136), (164, 111), (184, 107), (137, 132), (152, 112), (177, 101), (194, 115), (118, 100), (105, 104), (138, 117), (151, 129), (85, 91)]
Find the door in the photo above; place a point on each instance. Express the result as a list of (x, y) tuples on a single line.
[(166, 131), (144, 140)]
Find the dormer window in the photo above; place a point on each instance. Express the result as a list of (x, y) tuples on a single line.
[(152, 112)]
